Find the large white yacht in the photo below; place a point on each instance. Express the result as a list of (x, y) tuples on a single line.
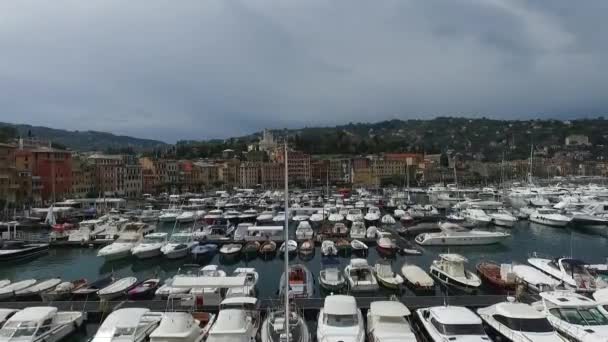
[(549, 217), (178, 327), (129, 324), (450, 270), (388, 321), (169, 215), (238, 321), (131, 236), (450, 323), (40, 324), (501, 217), (572, 272), (453, 234), (340, 320), (179, 245), (477, 217), (150, 246)]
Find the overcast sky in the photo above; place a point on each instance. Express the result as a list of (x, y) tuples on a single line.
[(197, 69)]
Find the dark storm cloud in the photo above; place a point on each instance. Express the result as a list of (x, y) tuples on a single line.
[(216, 68)]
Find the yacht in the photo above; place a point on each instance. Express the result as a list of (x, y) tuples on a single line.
[(112, 226), (453, 234), (372, 217), (237, 320), (5, 314), (178, 327), (575, 316), (534, 279), (251, 280), (14, 250), (515, 322), (213, 216), (131, 236), (265, 217), (549, 217), (304, 231), (186, 216), (571, 272), (450, 270), (82, 235), (169, 215), (340, 320), (592, 217), (273, 327), (300, 281), (502, 217), (358, 230), (180, 244), (389, 321), (360, 276), (150, 246), (209, 295), (450, 323), (476, 216), (41, 324), (130, 324), (354, 215)]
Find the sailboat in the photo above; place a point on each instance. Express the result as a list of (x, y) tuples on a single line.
[(276, 328)]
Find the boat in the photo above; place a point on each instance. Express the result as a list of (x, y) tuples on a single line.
[(534, 279), (144, 290), (372, 217), (499, 276), (179, 246), (4, 282), (273, 327), (386, 246), (167, 289), (265, 217), (307, 247), (357, 245), (304, 231), (388, 321), (576, 317), (268, 248), (343, 246), (292, 247), (448, 323), (117, 289), (217, 232), (371, 233), (387, 220), (360, 276), (231, 249), (63, 290), (300, 281), (251, 281), (213, 216), (131, 236), (14, 250), (206, 251), (357, 230), (453, 234), (129, 324), (5, 314), (515, 322), (185, 216), (549, 217), (180, 327), (340, 320), (150, 246), (450, 271), (209, 295), (406, 220), (417, 279), (251, 248), (169, 215), (8, 291), (354, 215), (328, 248), (339, 230), (502, 217), (331, 279), (34, 291), (41, 324), (571, 272), (238, 320), (248, 215), (476, 216), (386, 277)]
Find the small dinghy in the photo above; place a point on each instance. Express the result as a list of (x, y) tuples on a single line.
[(93, 287), (117, 288), (301, 284), (34, 291), (357, 245), (417, 279), (328, 248), (204, 251), (268, 248), (500, 277), (144, 290), (388, 220), (386, 246), (251, 248), (292, 247), (332, 279), (386, 277), (231, 249), (307, 247), (8, 291), (63, 290)]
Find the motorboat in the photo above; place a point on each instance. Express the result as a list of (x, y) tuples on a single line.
[(549, 217), (117, 289), (5, 314), (372, 217), (186, 216), (292, 247), (231, 249), (453, 234), (397, 213), (41, 324), (179, 327), (63, 290), (149, 215), (35, 291), (389, 321), (150, 246), (251, 280), (372, 232), (268, 248), (179, 245), (144, 290), (300, 281), (304, 231), (417, 279), (211, 295), (360, 276), (358, 230), (425, 212), (340, 320), (316, 219), (167, 289), (273, 327), (265, 217), (248, 215), (331, 279), (131, 236), (14, 250), (280, 217), (534, 279), (91, 289), (110, 229), (575, 316), (498, 276), (8, 291), (206, 251), (307, 247), (387, 220), (476, 216), (215, 232), (300, 215), (514, 322), (406, 220), (386, 277), (328, 248), (213, 216), (169, 215), (502, 217), (238, 320), (386, 245), (354, 215), (447, 323), (128, 324), (572, 272), (450, 270), (335, 217), (357, 245)]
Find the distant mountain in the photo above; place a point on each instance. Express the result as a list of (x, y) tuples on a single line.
[(84, 140)]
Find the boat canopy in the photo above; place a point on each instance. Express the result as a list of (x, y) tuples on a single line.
[(389, 308), (265, 228), (518, 310), (34, 314), (208, 282), (453, 257), (340, 305)]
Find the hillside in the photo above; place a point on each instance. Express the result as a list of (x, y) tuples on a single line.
[(83, 140)]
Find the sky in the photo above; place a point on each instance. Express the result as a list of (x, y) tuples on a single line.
[(199, 69)]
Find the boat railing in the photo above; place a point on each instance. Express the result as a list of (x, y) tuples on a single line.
[(25, 236)]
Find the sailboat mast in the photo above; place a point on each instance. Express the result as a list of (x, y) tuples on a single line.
[(286, 256)]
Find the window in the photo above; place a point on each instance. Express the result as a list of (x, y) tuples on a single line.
[(341, 320), (527, 325)]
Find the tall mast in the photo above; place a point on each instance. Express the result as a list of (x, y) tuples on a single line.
[(286, 252), (531, 164)]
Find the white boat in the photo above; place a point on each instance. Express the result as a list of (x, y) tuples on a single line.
[(210, 295), (331, 279), (300, 281), (316, 219), (372, 233), (357, 245), (4, 282), (238, 320), (280, 217), (180, 244), (358, 230), (167, 289), (111, 227), (41, 324), (178, 327), (292, 247), (131, 235), (304, 231), (265, 217), (476, 216), (185, 216), (213, 216), (354, 215), (572, 272), (534, 279), (340, 320), (360, 276), (328, 248), (273, 327), (416, 277), (63, 290), (388, 321), (448, 323), (335, 217), (549, 217), (82, 235), (386, 276), (516, 322), (575, 316), (117, 289), (372, 217), (9, 290), (248, 215), (388, 220), (501, 217), (150, 246), (450, 270), (37, 289), (130, 324), (251, 281), (5, 314), (397, 213), (453, 234), (231, 248), (169, 215)]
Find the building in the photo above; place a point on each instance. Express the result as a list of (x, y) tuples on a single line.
[(577, 140), (272, 175), (9, 177), (267, 143), (298, 166), (52, 166), (109, 174), (249, 175), (83, 178), (339, 170), (133, 180), (228, 172), (205, 174)]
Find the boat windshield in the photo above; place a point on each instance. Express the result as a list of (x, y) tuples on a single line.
[(124, 331), (574, 267), (18, 329), (341, 320), (180, 238), (537, 325), (127, 239), (456, 269), (154, 239), (459, 329), (580, 316)]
